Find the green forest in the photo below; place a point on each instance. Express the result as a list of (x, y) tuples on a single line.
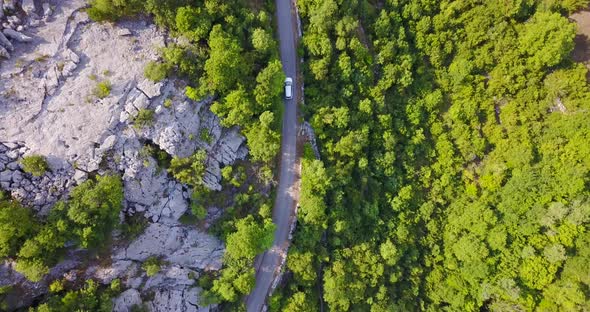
[(455, 157)]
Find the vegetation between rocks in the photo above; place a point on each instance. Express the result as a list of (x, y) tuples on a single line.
[(85, 220), (35, 165)]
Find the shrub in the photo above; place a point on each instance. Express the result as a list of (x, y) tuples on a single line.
[(102, 89), (56, 286), (189, 170), (134, 226), (198, 210), (139, 308), (235, 178), (112, 10), (145, 118), (35, 165), (205, 136), (93, 209), (156, 71), (116, 286), (33, 270), (151, 266)]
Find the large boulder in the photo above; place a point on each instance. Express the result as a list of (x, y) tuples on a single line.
[(20, 37), (177, 245)]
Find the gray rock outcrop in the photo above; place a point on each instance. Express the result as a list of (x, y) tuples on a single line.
[(18, 36), (4, 42), (171, 299), (37, 192), (127, 300), (176, 244), (49, 106)]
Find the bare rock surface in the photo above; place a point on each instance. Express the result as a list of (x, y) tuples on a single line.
[(176, 244), (173, 299), (127, 300), (55, 61)]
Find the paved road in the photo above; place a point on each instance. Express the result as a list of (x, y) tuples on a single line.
[(286, 196)]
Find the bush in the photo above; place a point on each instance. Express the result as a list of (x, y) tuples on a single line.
[(145, 118), (116, 286), (134, 226), (112, 10), (155, 71), (189, 170), (102, 89), (198, 210), (35, 165), (161, 156), (235, 178), (139, 308), (151, 266), (205, 136), (33, 270), (56, 286)]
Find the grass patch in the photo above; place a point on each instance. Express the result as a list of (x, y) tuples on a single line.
[(205, 136), (102, 89)]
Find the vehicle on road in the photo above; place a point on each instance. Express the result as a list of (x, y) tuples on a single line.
[(288, 88)]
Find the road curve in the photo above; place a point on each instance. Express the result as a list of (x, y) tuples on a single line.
[(287, 194)]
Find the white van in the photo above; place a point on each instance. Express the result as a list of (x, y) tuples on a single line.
[(288, 88)]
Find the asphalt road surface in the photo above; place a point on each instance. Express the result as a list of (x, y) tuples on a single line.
[(286, 195)]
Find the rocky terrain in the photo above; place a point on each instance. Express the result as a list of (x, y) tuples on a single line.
[(52, 60)]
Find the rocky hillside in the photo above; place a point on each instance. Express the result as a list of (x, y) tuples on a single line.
[(72, 90)]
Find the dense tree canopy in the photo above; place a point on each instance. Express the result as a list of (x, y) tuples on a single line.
[(454, 142)]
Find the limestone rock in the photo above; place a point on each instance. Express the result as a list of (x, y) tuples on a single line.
[(47, 11), (126, 301), (125, 32), (166, 300), (4, 53), (80, 176), (150, 88), (173, 276), (178, 245), (20, 37), (118, 269), (5, 42)]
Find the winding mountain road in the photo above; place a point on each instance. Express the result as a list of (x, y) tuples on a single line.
[(268, 265)]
